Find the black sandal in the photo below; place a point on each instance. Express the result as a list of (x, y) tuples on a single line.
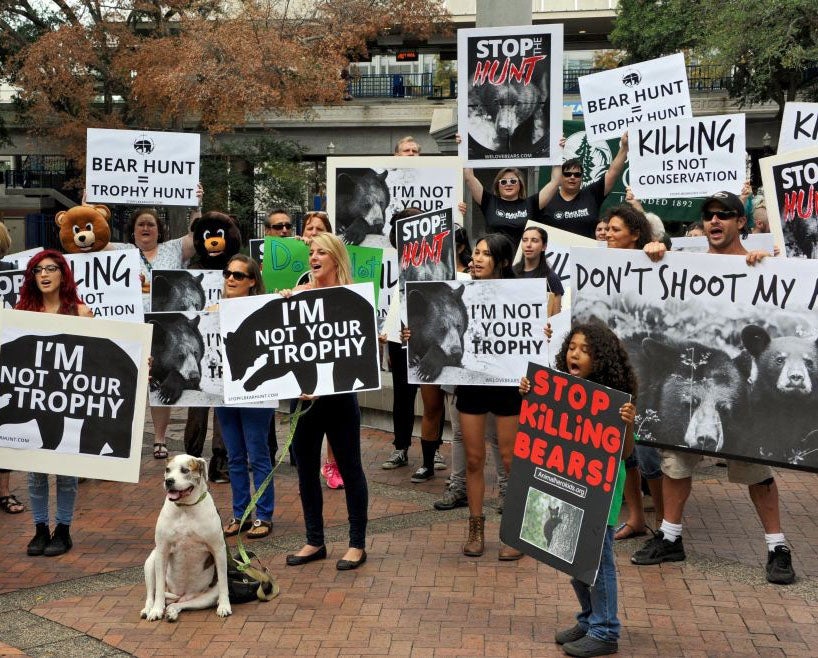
[(7, 503), (160, 451)]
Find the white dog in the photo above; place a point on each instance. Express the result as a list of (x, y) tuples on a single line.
[(189, 541)]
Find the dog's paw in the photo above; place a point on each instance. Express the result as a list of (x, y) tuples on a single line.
[(172, 613), (224, 610), (155, 614)]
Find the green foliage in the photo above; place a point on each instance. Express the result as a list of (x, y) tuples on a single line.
[(770, 47)]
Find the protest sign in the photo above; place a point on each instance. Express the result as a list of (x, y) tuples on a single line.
[(426, 249), (725, 353), (799, 127), (10, 283), (108, 283), (285, 262), (791, 192), (690, 157), (751, 242), (650, 91), (257, 250), (509, 95), (364, 193), (72, 394), (563, 473), (389, 285), (185, 290), (21, 258), (480, 332), (367, 263), (319, 342), (141, 166)]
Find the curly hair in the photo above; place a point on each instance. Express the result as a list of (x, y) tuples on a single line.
[(611, 366), (31, 299), (634, 220)]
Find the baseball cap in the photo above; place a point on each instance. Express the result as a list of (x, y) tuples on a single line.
[(728, 200)]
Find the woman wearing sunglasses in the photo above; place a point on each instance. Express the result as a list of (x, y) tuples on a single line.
[(507, 208), (245, 428)]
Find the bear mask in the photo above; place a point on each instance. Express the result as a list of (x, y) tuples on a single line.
[(216, 238), (84, 229)]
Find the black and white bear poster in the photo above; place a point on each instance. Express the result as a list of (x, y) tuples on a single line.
[(318, 342), (72, 395), (475, 332), (726, 353), (10, 283), (364, 193), (425, 248), (791, 193), (185, 290), (564, 470), (509, 95), (108, 283)]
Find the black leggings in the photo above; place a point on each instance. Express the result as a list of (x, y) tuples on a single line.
[(403, 400), (339, 417)]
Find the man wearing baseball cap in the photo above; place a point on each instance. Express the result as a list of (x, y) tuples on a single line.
[(724, 222)]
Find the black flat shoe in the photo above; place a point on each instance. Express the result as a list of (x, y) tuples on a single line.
[(298, 560), (347, 565)]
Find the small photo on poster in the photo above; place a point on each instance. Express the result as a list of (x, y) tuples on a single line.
[(551, 524)]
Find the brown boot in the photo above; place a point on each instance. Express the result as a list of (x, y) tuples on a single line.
[(508, 554), (474, 544)]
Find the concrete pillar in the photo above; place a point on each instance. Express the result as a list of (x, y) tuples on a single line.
[(491, 13)]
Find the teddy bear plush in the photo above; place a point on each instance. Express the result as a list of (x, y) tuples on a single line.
[(84, 228), (216, 239)]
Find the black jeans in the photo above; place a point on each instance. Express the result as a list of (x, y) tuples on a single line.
[(339, 417), (403, 401), (196, 432)]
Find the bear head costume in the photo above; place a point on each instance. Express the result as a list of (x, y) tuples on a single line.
[(84, 229), (216, 238)]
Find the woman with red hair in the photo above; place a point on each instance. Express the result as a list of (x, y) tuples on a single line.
[(49, 287)]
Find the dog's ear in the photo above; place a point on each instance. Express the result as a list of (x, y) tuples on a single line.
[(198, 466)]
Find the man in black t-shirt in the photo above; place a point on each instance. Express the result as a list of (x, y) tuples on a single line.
[(575, 208)]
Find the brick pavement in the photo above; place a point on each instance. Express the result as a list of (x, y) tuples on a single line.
[(417, 595)]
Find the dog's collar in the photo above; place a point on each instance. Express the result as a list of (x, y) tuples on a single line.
[(201, 498)]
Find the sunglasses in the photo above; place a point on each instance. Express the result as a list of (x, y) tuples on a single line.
[(51, 269), (572, 174), (509, 181), (238, 276), (278, 227), (707, 215)]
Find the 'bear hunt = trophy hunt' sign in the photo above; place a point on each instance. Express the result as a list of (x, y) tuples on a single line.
[(564, 470)]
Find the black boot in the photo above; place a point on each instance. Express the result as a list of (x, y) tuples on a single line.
[(41, 538), (60, 541), (217, 468)]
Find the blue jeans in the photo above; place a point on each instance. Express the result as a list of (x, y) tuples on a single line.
[(339, 417), (245, 433), (66, 497), (648, 459), (598, 603)]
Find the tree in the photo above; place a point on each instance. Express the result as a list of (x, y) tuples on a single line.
[(768, 47), (204, 65)]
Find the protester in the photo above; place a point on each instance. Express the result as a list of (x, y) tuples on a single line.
[(49, 287), (694, 230), (407, 146), (315, 222), (575, 208), (245, 428), (507, 208), (593, 352), (535, 266), (339, 417), (761, 224), (601, 230), (724, 221), (279, 224)]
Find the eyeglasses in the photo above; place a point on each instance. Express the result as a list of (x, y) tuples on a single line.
[(238, 276), (572, 174), (707, 215), (51, 269), (509, 181), (278, 227)]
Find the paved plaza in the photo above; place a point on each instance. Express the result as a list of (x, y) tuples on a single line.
[(417, 595)]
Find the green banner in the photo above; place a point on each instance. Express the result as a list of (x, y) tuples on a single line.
[(285, 261), (597, 157)]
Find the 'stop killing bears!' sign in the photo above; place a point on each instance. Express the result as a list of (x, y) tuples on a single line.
[(131, 166)]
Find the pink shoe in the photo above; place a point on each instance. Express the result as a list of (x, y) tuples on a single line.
[(330, 472)]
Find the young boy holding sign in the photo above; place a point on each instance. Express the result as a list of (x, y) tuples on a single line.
[(593, 352)]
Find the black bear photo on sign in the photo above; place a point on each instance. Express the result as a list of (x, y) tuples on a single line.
[(510, 95), (318, 342), (185, 290), (364, 193), (726, 353), (72, 395), (564, 471)]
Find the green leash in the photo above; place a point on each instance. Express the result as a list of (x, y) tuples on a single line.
[(244, 565)]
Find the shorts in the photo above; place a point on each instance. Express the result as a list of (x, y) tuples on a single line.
[(677, 465), (648, 459), (497, 400)]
